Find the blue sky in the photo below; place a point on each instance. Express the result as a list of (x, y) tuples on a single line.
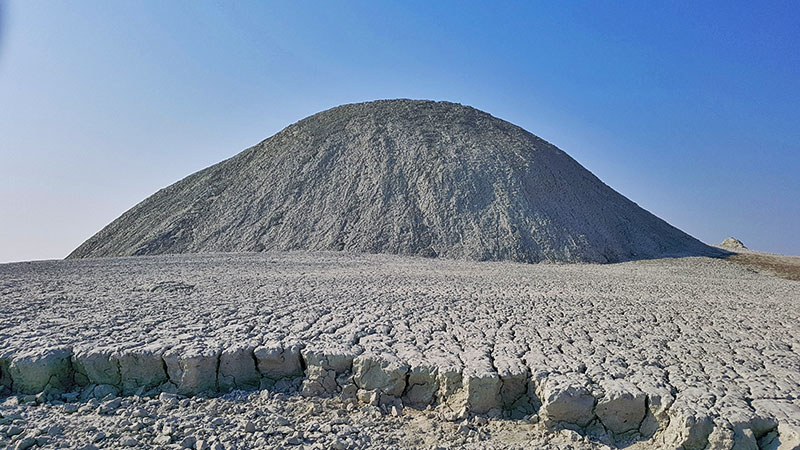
[(691, 109)]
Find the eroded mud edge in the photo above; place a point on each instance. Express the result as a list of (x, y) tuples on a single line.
[(518, 389)]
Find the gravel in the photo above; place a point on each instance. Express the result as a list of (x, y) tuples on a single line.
[(683, 352), (273, 419)]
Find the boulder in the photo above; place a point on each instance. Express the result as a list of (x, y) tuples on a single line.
[(623, 406), (192, 368), (34, 371), (384, 373)]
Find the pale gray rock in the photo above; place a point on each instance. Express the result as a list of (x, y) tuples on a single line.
[(786, 435), (95, 365), (566, 399), (249, 427), (104, 390), (422, 385), (324, 364), (70, 408), (450, 381), (733, 244), (482, 387), (142, 368), (622, 407), (97, 436), (109, 406), (515, 384), (193, 368), (237, 368), (33, 371), (690, 424), (397, 176), (277, 361), (380, 372), (659, 399)]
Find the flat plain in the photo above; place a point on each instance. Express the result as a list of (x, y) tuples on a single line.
[(390, 351)]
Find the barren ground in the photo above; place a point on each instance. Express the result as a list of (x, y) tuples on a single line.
[(787, 267), (343, 350)]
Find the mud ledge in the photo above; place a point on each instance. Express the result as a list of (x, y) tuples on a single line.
[(613, 410)]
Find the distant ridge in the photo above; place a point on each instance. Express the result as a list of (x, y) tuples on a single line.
[(407, 177)]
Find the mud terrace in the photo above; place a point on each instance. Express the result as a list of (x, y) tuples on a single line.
[(336, 350)]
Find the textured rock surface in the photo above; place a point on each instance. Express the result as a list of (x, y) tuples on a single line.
[(404, 177), (689, 352), (733, 244), (622, 407)]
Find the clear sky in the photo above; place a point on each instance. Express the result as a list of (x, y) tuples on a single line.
[(691, 109)]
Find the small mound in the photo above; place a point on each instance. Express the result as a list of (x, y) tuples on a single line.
[(733, 243)]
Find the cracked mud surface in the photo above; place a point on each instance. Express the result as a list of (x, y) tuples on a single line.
[(689, 352)]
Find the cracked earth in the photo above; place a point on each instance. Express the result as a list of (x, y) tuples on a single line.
[(335, 350)]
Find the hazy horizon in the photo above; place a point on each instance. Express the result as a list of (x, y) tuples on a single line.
[(688, 110)]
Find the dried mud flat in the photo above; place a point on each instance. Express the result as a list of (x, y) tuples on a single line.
[(336, 350), (783, 266)]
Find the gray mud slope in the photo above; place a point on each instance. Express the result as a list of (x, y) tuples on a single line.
[(397, 176)]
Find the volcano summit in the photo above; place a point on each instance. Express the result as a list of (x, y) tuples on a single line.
[(397, 176)]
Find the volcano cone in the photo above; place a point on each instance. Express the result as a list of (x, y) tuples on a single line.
[(397, 176)]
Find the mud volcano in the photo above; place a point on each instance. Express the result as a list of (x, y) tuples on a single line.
[(227, 349), (397, 176)]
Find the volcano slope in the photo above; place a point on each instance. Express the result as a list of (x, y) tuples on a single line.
[(398, 176), (358, 350)]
